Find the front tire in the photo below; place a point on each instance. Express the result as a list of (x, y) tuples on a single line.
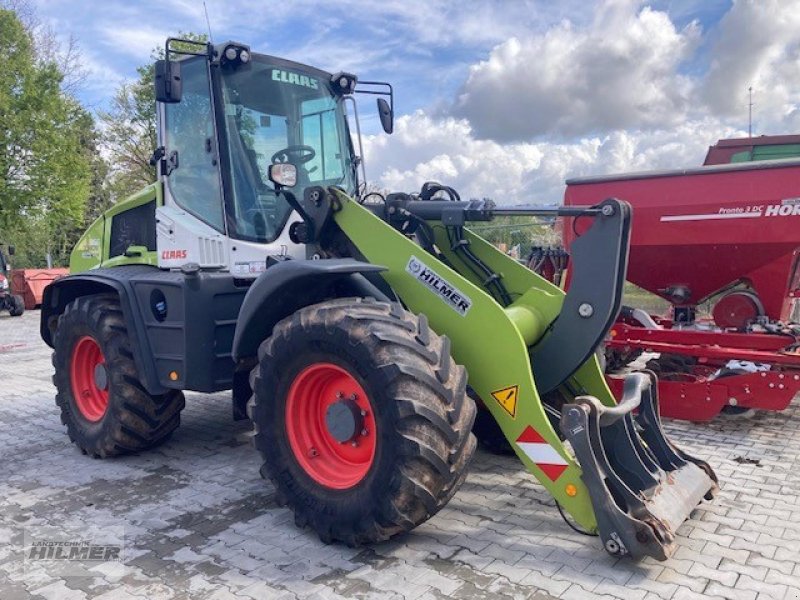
[(361, 418), (488, 433), (17, 306), (103, 403)]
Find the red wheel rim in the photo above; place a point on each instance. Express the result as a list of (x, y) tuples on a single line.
[(325, 458), (90, 398)]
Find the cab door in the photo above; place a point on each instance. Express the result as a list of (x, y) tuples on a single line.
[(191, 224)]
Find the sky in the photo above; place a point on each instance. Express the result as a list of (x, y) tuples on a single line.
[(503, 99)]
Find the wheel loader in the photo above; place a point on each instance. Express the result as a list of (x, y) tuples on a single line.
[(354, 329)]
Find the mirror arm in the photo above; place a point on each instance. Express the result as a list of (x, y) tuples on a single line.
[(389, 91), (384, 89), (360, 143)]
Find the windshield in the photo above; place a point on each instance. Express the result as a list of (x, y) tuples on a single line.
[(274, 113)]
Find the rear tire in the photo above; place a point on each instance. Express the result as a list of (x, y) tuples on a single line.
[(415, 411), (17, 306), (103, 403)]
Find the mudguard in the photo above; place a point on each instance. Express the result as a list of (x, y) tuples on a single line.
[(180, 324), (116, 281), (290, 285)]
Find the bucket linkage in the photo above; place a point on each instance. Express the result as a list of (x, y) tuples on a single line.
[(642, 487)]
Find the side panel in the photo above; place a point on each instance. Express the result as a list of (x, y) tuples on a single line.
[(88, 252), (181, 327), (127, 227), (189, 323)]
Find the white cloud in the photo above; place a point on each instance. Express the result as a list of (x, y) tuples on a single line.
[(758, 44), (626, 91), (134, 41), (554, 90), (445, 149), (622, 71)]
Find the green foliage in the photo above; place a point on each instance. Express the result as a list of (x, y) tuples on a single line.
[(129, 128), (511, 233), (47, 159)]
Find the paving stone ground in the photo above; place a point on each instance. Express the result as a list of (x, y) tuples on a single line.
[(199, 522)]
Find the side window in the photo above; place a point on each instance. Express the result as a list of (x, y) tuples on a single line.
[(195, 183), (320, 131), (134, 227)]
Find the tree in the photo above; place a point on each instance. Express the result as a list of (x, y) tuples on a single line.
[(129, 128), (45, 166), (519, 233)]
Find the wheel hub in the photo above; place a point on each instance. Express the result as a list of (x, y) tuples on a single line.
[(343, 420), (101, 376), (330, 425), (89, 379)]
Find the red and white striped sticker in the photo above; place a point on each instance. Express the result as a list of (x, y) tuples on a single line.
[(541, 453)]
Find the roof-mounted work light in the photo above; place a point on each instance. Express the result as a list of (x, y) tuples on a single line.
[(235, 55)]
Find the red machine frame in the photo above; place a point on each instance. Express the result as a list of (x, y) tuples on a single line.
[(725, 232), (696, 394)]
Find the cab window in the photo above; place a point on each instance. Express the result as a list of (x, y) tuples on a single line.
[(319, 130), (195, 183)]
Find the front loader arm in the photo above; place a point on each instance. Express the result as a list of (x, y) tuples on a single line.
[(491, 340), (496, 316)]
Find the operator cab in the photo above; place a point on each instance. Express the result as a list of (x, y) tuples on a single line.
[(226, 115)]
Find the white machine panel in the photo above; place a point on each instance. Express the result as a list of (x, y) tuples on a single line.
[(183, 238)]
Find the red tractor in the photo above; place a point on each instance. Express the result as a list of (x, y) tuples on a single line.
[(725, 235), (14, 304)]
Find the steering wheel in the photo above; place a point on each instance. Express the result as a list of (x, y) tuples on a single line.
[(294, 154)]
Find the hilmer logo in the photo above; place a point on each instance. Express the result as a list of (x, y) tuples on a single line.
[(454, 298)]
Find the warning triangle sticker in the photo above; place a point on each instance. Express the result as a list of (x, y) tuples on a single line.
[(507, 398)]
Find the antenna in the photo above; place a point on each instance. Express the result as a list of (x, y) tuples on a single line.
[(750, 113), (208, 23)]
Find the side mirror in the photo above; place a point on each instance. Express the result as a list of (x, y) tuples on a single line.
[(11, 250), (283, 174), (386, 115), (169, 86)]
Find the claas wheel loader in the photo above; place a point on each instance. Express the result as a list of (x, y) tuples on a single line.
[(350, 326)]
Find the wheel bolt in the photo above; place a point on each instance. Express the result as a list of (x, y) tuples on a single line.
[(354, 444), (312, 453), (364, 431), (353, 397), (339, 395), (363, 413)]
